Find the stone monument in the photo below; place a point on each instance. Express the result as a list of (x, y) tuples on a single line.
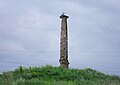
[(64, 42)]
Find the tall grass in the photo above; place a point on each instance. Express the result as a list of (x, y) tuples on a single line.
[(49, 75)]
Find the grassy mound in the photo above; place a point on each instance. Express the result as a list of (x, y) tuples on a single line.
[(49, 75)]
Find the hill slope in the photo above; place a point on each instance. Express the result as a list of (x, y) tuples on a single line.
[(49, 75)]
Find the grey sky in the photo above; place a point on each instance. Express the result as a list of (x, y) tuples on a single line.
[(30, 31)]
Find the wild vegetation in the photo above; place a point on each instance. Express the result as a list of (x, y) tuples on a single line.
[(49, 75)]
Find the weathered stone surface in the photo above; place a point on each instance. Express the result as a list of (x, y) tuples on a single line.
[(64, 42)]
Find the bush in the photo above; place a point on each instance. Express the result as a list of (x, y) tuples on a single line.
[(49, 75)]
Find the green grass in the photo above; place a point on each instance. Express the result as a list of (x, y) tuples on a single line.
[(49, 75)]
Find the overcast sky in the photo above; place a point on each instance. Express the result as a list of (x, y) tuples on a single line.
[(30, 32)]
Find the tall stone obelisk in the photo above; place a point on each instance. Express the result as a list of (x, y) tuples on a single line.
[(64, 42)]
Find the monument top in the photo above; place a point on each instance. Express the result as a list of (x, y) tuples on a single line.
[(63, 15)]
